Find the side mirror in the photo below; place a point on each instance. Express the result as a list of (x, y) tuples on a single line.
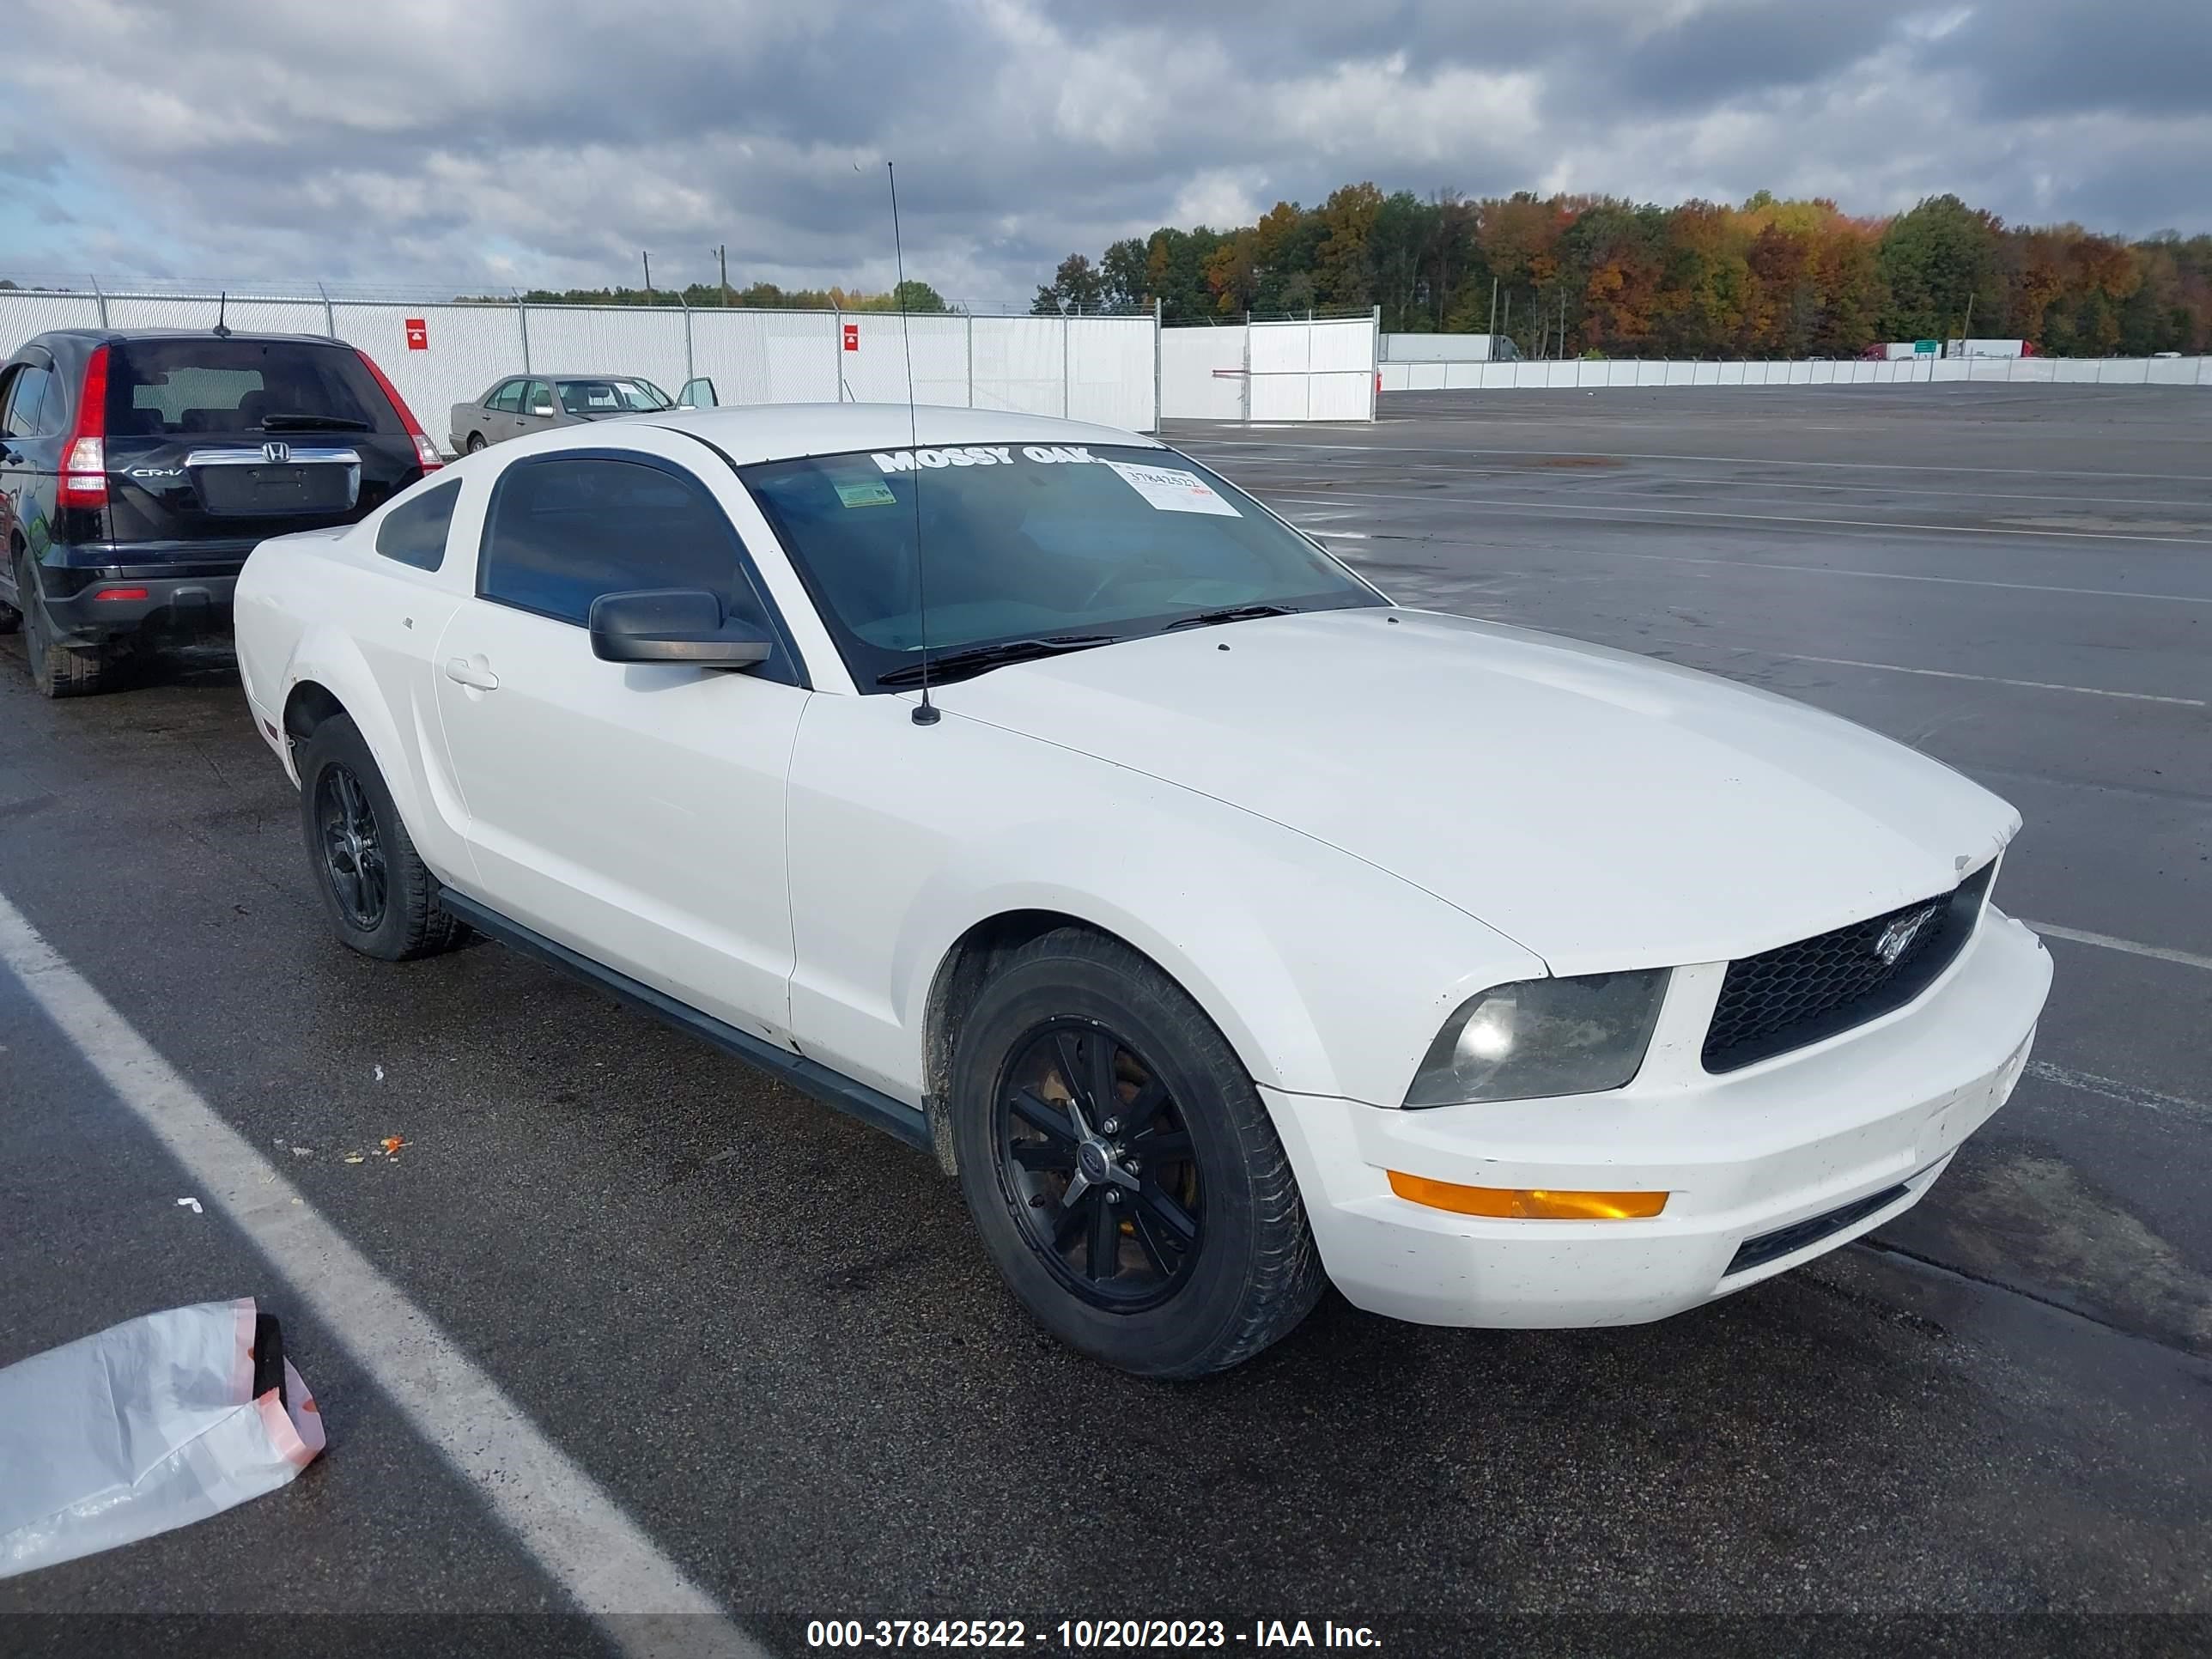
[(541, 409), (697, 394), (676, 625)]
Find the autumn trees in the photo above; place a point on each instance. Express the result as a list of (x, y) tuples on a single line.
[(1581, 274)]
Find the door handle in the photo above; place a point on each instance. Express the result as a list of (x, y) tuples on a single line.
[(462, 671)]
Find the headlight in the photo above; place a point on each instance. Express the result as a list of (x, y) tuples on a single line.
[(1541, 1037)]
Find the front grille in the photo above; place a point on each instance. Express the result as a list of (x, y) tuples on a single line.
[(1787, 1241), (1797, 994)]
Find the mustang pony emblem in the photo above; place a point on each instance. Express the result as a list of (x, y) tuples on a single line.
[(1897, 937)]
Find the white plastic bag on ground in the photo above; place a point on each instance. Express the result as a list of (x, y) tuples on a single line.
[(152, 1424)]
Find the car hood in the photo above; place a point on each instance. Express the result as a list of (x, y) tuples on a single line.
[(1602, 809)]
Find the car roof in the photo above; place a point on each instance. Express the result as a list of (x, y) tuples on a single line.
[(776, 432), (584, 374)]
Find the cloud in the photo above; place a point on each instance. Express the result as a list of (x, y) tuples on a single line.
[(551, 141)]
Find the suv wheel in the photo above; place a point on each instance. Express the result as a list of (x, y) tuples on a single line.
[(382, 900), (1121, 1165), (56, 671)]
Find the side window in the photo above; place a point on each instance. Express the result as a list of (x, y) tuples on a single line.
[(415, 531), (538, 397), (508, 397), (53, 413), (21, 417), (562, 531)]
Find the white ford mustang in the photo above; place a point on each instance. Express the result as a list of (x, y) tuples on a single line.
[(1224, 927)]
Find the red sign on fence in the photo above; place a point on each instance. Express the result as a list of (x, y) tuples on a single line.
[(418, 334), (851, 337)]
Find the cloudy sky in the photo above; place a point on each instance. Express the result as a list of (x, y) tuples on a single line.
[(479, 143)]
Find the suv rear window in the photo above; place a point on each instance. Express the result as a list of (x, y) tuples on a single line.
[(159, 388)]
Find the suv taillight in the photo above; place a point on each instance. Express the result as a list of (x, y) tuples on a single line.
[(84, 461), (425, 451)]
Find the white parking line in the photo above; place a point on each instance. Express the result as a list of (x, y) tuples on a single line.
[(1501, 504), (1711, 460), (644, 1603), (1827, 570), (2105, 941), (2116, 1089), (1940, 674), (1539, 478)]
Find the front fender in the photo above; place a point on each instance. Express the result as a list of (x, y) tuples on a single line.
[(1328, 975)]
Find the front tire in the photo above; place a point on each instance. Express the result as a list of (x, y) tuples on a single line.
[(56, 669), (382, 899), (1121, 1167)]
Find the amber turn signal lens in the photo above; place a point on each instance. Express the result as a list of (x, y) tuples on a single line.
[(1526, 1203)]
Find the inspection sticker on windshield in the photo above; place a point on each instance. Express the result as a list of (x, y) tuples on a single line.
[(869, 492), (1173, 491)]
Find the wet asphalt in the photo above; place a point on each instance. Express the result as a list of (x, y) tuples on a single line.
[(771, 1335)]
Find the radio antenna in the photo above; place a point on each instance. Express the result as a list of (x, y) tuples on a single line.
[(925, 712)]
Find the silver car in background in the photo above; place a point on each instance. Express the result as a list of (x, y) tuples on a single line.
[(539, 402)]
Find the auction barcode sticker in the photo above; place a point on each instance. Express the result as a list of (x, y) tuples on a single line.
[(1172, 490)]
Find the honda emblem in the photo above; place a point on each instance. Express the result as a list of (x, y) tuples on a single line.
[(276, 454)]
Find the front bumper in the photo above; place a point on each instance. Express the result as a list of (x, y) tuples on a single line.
[(1741, 1156)]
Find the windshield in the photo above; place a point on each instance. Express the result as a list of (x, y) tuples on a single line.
[(1027, 542), (611, 396)]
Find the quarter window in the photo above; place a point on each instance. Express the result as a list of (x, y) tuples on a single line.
[(21, 419), (413, 532), (562, 531)]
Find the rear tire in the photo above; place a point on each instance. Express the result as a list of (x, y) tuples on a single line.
[(56, 669), (382, 899), (1121, 1164), (476, 442)]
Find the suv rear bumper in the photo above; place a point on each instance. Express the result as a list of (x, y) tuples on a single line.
[(131, 606), (96, 594)]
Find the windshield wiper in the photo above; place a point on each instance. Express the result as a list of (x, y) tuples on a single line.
[(297, 423), (1232, 613), (976, 658)]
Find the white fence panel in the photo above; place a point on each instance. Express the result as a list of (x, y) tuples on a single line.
[(1202, 373), (876, 372), (609, 340), (26, 313), (1112, 365), (1098, 368), (1338, 397), (1297, 371), (1282, 396), (247, 315), (767, 356), (1021, 365), (1281, 348), (468, 348), (1589, 374)]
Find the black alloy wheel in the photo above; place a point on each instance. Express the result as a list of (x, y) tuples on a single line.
[(353, 851), (1099, 1164)]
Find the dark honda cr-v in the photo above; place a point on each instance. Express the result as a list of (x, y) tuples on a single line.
[(139, 469)]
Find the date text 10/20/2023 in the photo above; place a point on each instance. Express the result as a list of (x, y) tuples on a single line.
[(1086, 1635)]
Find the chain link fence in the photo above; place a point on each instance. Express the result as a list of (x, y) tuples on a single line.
[(443, 352)]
